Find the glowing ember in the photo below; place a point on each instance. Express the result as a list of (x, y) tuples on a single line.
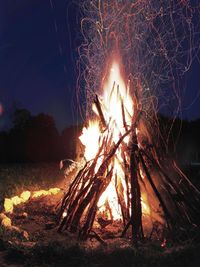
[(8, 205), (25, 196), (110, 195), (164, 243), (64, 214), (54, 191), (5, 221), (145, 207)]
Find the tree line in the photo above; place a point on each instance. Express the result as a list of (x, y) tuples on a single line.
[(182, 138), (36, 139)]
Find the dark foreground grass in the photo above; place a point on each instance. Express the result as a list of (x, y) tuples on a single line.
[(19, 177), (55, 254)]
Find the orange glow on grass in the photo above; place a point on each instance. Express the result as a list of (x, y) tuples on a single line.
[(9, 203)]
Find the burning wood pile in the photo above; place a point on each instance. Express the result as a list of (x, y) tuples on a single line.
[(124, 179)]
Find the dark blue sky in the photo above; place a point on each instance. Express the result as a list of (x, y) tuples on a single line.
[(191, 97), (37, 61), (37, 58)]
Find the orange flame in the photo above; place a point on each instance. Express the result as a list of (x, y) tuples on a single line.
[(115, 96)]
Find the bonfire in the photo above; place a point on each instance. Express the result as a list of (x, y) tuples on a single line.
[(125, 179), (125, 185)]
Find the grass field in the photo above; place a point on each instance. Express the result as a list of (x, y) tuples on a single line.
[(16, 178)]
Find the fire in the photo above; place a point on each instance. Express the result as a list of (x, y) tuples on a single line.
[(116, 92), (145, 207), (91, 136), (118, 110), (110, 196)]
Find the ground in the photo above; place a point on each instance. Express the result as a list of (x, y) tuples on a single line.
[(46, 247)]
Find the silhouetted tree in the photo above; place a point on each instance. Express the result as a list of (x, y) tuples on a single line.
[(32, 138), (35, 138), (21, 118), (70, 141), (4, 147), (43, 140)]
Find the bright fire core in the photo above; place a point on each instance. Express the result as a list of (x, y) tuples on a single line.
[(116, 96)]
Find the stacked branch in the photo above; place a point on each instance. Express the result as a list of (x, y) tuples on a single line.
[(173, 201)]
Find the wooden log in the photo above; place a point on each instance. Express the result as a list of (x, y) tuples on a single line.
[(168, 216), (123, 117), (100, 112), (187, 200), (136, 209), (85, 196), (127, 180), (69, 193), (85, 230), (84, 203), (120, 197), (93, 234), (75, 194), (126, 227)]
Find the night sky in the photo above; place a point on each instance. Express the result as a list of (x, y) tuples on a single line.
[(37, 58), (38, 53)]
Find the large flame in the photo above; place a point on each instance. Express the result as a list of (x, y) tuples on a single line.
[(116, 92), (116, 96)]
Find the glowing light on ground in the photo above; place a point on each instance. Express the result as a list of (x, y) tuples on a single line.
[(9, 203)]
